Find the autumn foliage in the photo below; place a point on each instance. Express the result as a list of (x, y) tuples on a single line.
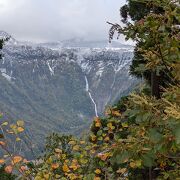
[(139, 138)]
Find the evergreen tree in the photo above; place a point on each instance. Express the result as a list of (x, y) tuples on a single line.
[(1, 46), (136, 11)]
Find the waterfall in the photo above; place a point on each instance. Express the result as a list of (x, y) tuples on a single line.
[(87, 84), (87, 89), (50, 68)]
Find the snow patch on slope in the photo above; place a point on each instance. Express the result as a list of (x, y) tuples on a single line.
[(4, 74)]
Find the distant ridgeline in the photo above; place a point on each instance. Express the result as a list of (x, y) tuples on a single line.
[(60, 87)]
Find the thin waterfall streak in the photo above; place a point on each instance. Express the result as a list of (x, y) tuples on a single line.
[(87, 89)]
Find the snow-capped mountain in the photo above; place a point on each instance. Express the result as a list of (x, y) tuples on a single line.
[(4, 35), (58, 88)]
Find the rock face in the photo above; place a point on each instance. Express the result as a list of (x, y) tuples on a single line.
[(61, 88)]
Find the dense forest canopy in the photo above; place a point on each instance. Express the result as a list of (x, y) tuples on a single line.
[(139, 138)]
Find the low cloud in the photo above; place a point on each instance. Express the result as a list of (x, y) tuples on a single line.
[(56, 20)]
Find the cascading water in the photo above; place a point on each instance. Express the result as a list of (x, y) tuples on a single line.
[(87, 89)]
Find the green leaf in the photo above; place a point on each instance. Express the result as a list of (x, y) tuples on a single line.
[(146, 116), (154, 135), (141, 68), (110, 169), (100, 138), (89, 177), (99, 133), (139, 118), (1, 115), (177, 134), (63, 178), (148, 159), (120, 157), (101, 163)]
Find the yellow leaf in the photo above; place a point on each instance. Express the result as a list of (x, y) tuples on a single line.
[(72, 142), (66, 161), (132, 164), (125, 125), (72, 176), (107, 138), (104, 156), (18, 139), (141, 132), (98, 124), (93, 137), (4, 124), (138, 163), (82, 142), (96, 119), (17, 159), (57, 150), (63, 156), (46, 176), (13, 126), (74, 167), (97, 178), (2, 161), (57, 176), (20, 129), (20, 123), (93, 151), (38, 178), (116, 113), (97, 171), (163, 164), (121, 171), (49, 160), (74, 161), (76, 148), (110, 126), (84, 161), (65, 168)]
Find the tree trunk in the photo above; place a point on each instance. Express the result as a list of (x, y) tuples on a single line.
[(155, 89)]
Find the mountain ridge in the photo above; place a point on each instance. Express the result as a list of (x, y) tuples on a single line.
[(69, 43), (61, 90)]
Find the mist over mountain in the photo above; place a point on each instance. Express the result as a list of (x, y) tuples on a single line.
[(61, 86)]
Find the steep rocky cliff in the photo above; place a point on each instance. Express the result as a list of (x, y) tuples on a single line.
[(57, 88)]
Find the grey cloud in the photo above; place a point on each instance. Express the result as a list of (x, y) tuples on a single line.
[(53, 20)]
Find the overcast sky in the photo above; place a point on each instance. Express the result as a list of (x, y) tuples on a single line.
[(56, 20)]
